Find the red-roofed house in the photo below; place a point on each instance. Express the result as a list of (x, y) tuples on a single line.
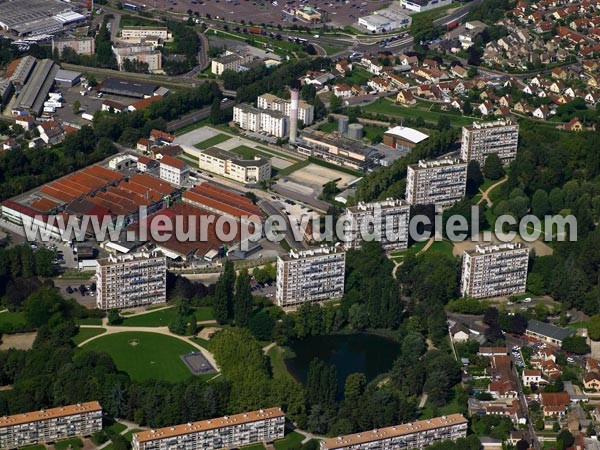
[(161, 138), (144, 103), (554, 403), (143, 145), (173, 170)]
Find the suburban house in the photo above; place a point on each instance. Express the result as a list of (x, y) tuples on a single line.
[(492, 351), (554, 403), (531, 376)]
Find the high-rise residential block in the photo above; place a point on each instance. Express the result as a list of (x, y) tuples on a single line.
[(130, 281), (482, 139), (441, 182), (310, 276), (388, 220), (50, 425), (213, 434), (415, 435), (494, 270), (306, 112)]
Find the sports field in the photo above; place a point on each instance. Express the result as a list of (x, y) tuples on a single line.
[(145, 356)]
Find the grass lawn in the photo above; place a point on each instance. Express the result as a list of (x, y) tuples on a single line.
[(357, 75), (329, 127), (249, 152), (331, 50), (430, 410), (577, 325), (33, 447), (277, 363), (146, 356), (211, 142), (89, 321), (64, 445), (163, 317), (129, 434), (372, 132), (254, 447), (115, 428), (441, 247), (388, 108), (413, 249), (12, 320), (290, 169), (549, 445), (87, 333), (291, 440)]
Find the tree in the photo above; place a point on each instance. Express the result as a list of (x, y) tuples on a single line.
[(215, 117), (492, 167), (335, 103), (522, 445), (565, 439), (76, 106), (114, 318), (242, 300), (593, 328), (575, 344), (540, 204), (474, 177), (220, 302)]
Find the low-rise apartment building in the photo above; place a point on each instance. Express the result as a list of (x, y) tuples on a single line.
[(224, 432), (130, 281), (482, 139), (494, 270), (260, 120), (441, 182), (138, 34), (233, 166), (174, 170), (82, 45), (310, 276), (546, 332), (306, 112), (415, 435), (50, 425), (140, 53), (388, 219), (229, 61)]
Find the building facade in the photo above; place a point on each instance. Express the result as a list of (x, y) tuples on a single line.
[(441, 182), (310, 276), (416, 435), (423, 5), (140, 33), (223, 432), (130, 281), (306, 112), (482, 139), (83, 46), (230, 61), (233, 166), (141, 53), (50, 425), (259, 120), (388, 219), (174, 170), (494, 270)]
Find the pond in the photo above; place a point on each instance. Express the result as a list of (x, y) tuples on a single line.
[(350, 353)]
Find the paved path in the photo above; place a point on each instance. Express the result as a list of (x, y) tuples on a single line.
[(130, 426), (114, 329), (269, 347), (486, 195), (424, 249)]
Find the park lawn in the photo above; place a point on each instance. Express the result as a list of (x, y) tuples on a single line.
[(212, 141), (89, 321), (430, 411), (33, 447), (415, 248), (291, 440), (115, 428), (290, 169), (254, 447), (86, 333), (75, 444), (129, 434), (388, 108), (278, 366), (249, 152), (16, 320), (163, 317), (146, 356), (444, 247)]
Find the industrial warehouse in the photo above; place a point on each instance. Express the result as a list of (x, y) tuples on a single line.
[(34, 17)]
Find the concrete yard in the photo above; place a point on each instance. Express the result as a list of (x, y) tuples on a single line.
[(316, 176)]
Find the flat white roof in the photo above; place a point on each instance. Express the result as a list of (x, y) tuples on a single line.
[(409, 134)]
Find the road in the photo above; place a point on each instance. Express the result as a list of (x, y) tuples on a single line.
[(272, 210), (195, 116), (459, 14)]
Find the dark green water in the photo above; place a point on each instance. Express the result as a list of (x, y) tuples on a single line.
[(350, 353)]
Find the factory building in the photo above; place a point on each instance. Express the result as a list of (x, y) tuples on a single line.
[(234, 431), (126, 88), (494, 270), (35, 91), (423, 5), (35, 17), (415, 435), (482, 139), (403, 138), (313, 275), (131, 281), (50, 425), (441, 182), (388, 219)]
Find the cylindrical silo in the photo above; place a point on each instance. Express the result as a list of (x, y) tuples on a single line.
[(355, 131), (343, 125)]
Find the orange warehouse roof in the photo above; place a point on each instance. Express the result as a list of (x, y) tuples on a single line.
[(44, 204)]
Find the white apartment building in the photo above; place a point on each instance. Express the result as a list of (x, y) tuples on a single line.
[(387, 219), (138, 34), (310, 276), (494, 270), (224, 432), (141, 53), (230, 61), (130, 281), (233, 166), (50, 425), (441, 182), (415, 435), (306, 112), (260, 120), (174, 170), (83, 46), (483, 139)]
